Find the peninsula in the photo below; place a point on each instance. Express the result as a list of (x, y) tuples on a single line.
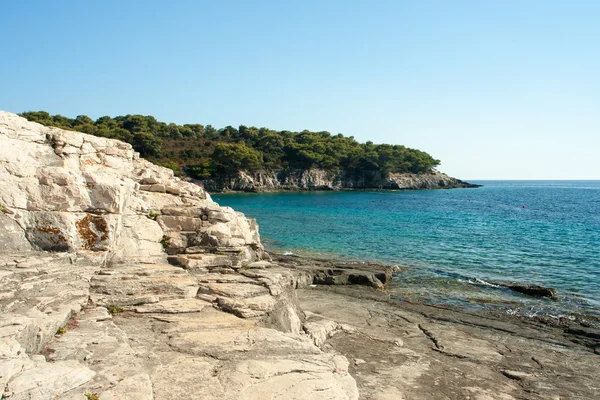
[(119, 280)]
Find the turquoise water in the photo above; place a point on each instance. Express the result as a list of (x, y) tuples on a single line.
[(455, 244)]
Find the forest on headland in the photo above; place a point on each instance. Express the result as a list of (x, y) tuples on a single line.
[(203, 152)]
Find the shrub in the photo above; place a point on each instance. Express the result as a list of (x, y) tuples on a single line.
[(114, 309)]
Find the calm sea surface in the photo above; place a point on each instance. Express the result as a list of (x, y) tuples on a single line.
[(456, 244)]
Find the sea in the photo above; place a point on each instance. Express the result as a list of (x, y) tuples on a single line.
[(455, 247)]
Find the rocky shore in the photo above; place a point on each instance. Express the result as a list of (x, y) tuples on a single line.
[(414, 351), (119, 281), (71, 327), (317, 179)]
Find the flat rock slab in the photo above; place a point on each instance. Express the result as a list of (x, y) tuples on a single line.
[(133, 284), (175, 306), (47, 380), (248, 308), (410, 351), (313, 378), (225, 278), (215, 355), (137, 387), (234, 290)]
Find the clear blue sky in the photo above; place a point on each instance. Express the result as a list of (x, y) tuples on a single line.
[(495, 89)]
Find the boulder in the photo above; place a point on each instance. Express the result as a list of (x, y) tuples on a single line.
[(335, 276), (533, 290)]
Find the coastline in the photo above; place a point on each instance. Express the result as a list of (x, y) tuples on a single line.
[(395, 278), (330, 190), (142, 287), (415, 350), (265, 181), (426, 352), (150, 325), (444, 238)]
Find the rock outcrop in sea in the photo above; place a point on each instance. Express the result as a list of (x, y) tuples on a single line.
[(318, 179)]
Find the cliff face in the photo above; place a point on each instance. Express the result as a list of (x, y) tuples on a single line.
[(318, 179), (68, 191)]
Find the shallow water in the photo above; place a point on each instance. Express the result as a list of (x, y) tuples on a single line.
[(455, 243)]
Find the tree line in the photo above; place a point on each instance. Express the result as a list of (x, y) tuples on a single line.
[(203, 151)]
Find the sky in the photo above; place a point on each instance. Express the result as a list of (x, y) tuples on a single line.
[(494, 89)]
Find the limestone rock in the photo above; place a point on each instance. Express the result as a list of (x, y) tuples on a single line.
[(320, 329), (516, 375), (533, 290), (90, 306), (174, 306), (48, 380), (137, 387), (68, 191), (12, 236), (318, 179)]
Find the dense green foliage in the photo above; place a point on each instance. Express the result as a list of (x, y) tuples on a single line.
[(203, 151)]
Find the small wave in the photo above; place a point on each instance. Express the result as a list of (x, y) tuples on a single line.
[(288, 253), (479, 282), (553, 318)]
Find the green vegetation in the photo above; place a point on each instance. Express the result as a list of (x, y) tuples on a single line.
[(203, 151), (164, 241), (71, 324), (91, 396), (154, 214), (114, 309)]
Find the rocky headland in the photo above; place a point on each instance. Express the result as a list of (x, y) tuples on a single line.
[(120, 281), (318, 179)]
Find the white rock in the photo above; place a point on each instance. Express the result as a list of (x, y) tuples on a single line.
[(47, 380), (136, 387), (73, 192), (175, 306)]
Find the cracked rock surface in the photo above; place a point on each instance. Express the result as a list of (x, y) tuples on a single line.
[(59, 339), (412, 351)]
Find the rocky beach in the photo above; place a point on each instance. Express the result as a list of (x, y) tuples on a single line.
[(121, 281)]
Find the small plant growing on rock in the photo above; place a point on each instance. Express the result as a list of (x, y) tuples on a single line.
[(2, 209), (114, 309), (164, 241), (71, 323), (91, 396), (153, 215)]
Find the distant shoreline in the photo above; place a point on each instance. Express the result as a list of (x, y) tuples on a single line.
[(315, 179), (334, 190), (534, 180)]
